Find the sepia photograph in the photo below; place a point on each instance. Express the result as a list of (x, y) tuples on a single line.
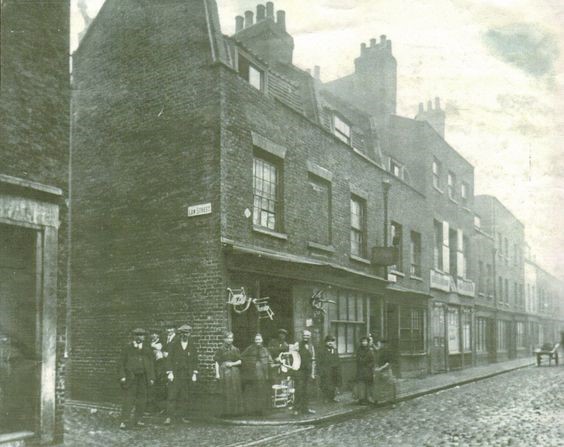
[(227, 223)]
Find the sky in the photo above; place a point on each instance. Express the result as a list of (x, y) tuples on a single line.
[(497, 65)]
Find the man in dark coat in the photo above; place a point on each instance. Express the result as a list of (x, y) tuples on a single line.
[(136, 374), (182, 370), (329, 368), (304, 375), (275, 347)]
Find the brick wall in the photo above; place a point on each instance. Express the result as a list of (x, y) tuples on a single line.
[(145, 146), (34, 122)]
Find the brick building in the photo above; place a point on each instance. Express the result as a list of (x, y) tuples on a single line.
[(205, 163), (34, 157)]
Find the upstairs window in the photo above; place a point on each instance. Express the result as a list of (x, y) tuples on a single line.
[(266, 204), (451, 185), (358, 227), (251, 73), (436, 173), (415, 254), (342, 129), (397, 241), (464, 192), (396, 168)]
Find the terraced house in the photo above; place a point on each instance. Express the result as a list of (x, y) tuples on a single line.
[(216, 183)]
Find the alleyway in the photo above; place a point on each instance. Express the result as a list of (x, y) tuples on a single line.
[(520, 408)]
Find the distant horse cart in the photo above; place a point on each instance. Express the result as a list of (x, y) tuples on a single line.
[(549, 350)]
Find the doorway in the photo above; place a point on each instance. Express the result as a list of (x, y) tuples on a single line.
[(19, 344)]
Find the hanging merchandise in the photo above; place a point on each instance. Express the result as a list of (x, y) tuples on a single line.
[(263, 308), (317, 302), (238, 299)]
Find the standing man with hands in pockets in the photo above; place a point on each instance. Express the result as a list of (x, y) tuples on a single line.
[(182, 370), (136, 373)]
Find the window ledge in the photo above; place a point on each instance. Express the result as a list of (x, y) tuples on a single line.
[(415, 354), (438, 189), (453, 200), (269, 232), (359, 259), (397, 273), (321, 247), (416, 278)]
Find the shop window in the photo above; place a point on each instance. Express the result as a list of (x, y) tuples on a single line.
[(266, 186), (342, 129), (415, 254), (481, 331), (520, 334), (251, 73), (348, 320), (467, 331), (358, 227), (502, 335), (412, 330), (453, 331)]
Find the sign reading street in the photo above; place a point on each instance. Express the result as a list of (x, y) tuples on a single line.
[(199, 210)]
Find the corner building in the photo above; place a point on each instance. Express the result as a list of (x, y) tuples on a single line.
[(34, 158)]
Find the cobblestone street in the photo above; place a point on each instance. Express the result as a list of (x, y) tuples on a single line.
[(521, 408)]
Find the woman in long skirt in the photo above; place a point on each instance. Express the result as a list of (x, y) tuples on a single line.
[(365, 360), (384, 386), (227, 366), (255, 371)]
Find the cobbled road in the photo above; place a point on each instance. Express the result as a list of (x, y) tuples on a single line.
[(521, 408)]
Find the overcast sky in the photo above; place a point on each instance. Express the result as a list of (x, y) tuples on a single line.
[(497, 65)]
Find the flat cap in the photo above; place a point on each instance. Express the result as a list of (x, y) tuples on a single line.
[(185, 328)]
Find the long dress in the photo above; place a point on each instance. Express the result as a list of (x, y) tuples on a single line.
[(256, 363), (384, 385), (365, 360), (230, 380)]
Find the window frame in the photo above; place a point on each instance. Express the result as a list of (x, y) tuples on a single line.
[(351, 325), (437, 171), (395, 228), (244, 71), (276, 210), (338, 122), (359, 231), (315, 181), (412, 337), (415, 252), (451, 185)]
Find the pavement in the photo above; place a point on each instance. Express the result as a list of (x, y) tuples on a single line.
[(407, 389)]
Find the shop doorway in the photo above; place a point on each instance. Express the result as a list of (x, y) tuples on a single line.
[(246, 325), (438, 339), (19, 348)]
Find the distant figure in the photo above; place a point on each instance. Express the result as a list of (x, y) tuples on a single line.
[(255, 372), (305, 374), (136, 373), (182, 371), (227, 371), (365, 361), (329, 367)]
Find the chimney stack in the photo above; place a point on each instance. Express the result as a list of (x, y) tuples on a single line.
[(270, 10), (362, 48), (239, 23), (261, 13), (317, 72), (248, 19), (372, 43), (382, 38), (437, 103), (281, 19)]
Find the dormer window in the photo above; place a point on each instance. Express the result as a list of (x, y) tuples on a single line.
[(251, 73), (396, 168), (342, 129)]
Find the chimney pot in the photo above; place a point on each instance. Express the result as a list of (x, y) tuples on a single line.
[(281, 19), (362, 48), (248, 19), (437, 103), (239, 23), (372, 42), (382, 38), (270, 10), (261, 13), (317, 72), (429, 105)]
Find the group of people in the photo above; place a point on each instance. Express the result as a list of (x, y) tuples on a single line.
[(161, 373), (375, 382)]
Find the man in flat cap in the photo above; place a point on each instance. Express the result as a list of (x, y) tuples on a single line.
[(305, 374), (182, 370), (136, 374)]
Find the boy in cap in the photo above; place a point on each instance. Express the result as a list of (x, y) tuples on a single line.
[(182, 370), (136, 373)]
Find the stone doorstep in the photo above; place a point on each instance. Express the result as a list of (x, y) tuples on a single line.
[(16, 439)]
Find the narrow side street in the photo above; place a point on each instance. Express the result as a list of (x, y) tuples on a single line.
[(522, 408)]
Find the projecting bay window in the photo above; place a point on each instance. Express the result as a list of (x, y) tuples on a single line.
[(412, 330), (358, 227), (266, 187), (342, 129), (348, 319)]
